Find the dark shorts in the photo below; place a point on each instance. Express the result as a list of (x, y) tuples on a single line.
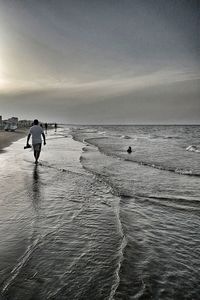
[(37, 147)]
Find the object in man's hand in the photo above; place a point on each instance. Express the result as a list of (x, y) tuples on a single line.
[(27, 146)]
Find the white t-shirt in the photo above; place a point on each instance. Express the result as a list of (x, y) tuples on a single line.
[(36, 132)]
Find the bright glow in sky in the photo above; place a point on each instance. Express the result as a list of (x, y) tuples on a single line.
[(130, 61)]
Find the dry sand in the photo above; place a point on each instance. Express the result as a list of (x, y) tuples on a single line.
[(7, 137)]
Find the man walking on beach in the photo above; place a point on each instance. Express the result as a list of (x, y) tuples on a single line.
[(36, 131)]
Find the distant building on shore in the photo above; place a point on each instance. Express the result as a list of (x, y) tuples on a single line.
[(11, 124), (24, 123), (13, 120)]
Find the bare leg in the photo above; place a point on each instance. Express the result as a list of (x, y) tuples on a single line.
[(37, 151), (37, 155)]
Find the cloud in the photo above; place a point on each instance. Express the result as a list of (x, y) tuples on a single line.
[(70, 57), (172, 102), (103, 87)]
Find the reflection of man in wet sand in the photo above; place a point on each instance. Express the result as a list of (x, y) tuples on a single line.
[(36, 131)]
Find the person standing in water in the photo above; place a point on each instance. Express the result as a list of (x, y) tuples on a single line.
[(129, 150), (36, 131), (46, 127), (55, 126)]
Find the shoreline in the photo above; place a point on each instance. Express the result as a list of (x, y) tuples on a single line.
[(8, 137)]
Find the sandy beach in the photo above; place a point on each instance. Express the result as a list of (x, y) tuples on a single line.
[(7, 137)]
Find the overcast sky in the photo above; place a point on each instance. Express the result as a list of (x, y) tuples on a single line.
[(100, 61)]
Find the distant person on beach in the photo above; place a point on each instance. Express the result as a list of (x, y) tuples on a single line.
[(129, 150), (55, 126), (46, 127), (36, 131)]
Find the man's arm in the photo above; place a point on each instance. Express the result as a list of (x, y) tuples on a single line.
[(43, 135), (28, 138)]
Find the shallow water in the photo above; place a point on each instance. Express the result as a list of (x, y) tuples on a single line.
[(93, 222)]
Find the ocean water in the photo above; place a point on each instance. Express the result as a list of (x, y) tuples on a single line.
[(93, 222)]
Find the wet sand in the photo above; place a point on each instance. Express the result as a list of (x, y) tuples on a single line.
[(7, 137)]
